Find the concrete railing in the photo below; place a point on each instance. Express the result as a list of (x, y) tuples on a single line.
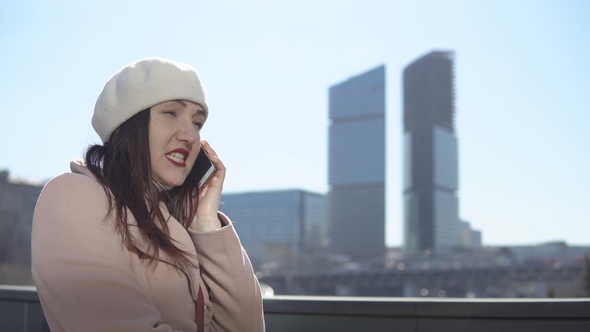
[(309, 314), (20, 311)]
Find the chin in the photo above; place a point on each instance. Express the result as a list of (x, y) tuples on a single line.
[(171, 181), (167, 185), (174, 184)]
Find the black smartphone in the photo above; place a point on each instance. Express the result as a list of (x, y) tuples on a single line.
[(204, 168)]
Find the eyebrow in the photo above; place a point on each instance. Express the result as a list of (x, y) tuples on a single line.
[(183, 103)]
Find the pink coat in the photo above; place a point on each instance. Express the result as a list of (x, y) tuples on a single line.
[(88, 280)]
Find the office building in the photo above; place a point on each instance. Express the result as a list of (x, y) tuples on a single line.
[(470, 238), (17, 204), (356, 166), (431, 205), (274, 225)]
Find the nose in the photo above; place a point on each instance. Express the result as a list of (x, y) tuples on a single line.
[(187, 132)]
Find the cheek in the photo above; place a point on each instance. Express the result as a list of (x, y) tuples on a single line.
[(153, 155), (155, 151), (156, 140)]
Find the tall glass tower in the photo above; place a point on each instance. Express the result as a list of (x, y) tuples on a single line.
[(356, 165), (431, 205)]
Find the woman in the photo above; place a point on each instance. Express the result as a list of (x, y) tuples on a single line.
[(126, 242)]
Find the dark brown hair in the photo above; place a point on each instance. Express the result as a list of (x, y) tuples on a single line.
[(122, 166)]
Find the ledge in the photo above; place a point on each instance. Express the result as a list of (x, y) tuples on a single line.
[(18, 293), (20, 310), (435, 308)]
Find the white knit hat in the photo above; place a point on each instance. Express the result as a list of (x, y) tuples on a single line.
[(141, 85)]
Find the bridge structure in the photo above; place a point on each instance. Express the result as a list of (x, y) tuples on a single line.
[(529, 280)]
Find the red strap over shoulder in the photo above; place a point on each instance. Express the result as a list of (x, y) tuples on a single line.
[(200, 311)]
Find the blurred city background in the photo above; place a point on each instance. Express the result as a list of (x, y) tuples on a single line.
[(374, 149)]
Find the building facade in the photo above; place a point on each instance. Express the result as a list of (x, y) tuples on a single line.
[(356, 165), (17, 205), (431, 181), (470, 238), (275, 225)]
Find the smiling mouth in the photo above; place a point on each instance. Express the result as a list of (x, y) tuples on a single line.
[(178, 158)]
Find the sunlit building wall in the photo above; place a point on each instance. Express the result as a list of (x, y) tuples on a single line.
[(356, 165), (470, 238), (273, 225), (431, 204)]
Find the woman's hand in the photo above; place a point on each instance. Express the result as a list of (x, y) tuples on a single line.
[(209, 197)]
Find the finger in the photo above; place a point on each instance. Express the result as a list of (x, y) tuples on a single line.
[(203, 192)]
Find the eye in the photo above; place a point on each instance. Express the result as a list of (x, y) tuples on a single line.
[(170, 112), (198, 124)]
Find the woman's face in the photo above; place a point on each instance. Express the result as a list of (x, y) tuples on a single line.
[(174, 140)]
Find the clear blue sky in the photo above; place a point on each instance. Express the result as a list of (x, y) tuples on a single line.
[(522, 92)]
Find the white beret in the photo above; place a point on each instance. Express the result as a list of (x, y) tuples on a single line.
[(141, 85)]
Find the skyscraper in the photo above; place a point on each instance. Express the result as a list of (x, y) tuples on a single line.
[(431, 205), (356, 165)]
